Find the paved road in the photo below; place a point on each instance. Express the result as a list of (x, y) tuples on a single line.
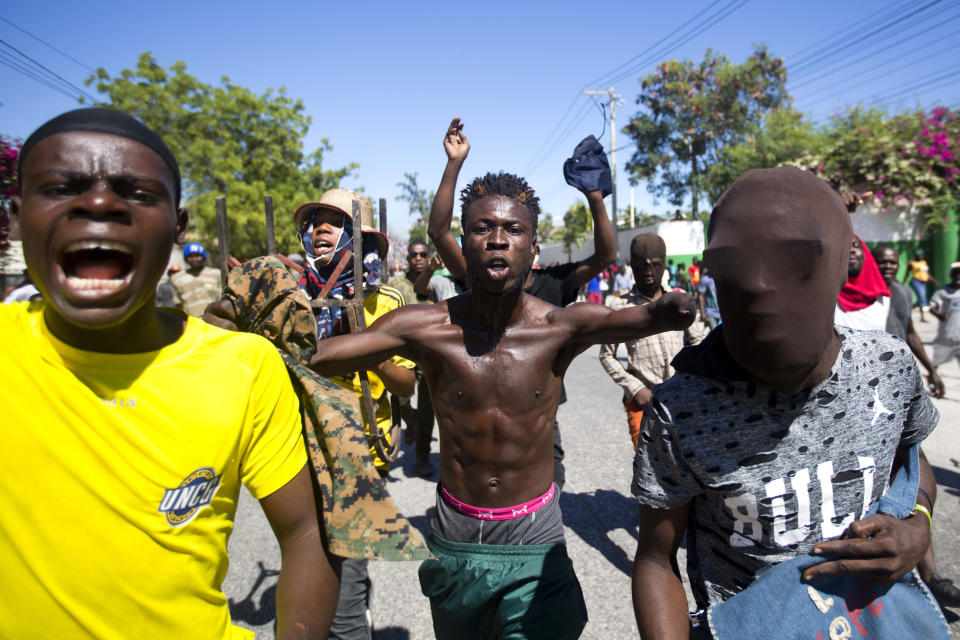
[(599, 513)]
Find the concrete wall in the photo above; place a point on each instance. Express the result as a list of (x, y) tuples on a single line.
[(902, 230), (872, 225)]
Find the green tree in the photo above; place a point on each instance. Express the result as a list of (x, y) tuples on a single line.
[(419, 201), (546, 229), (229, 141), (904, 161), (577, 221), (691, 111), (782, 136)]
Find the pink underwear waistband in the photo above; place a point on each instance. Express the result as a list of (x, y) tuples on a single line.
[(503, 513)]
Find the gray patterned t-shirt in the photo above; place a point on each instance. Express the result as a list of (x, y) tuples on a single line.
[(767, 475)]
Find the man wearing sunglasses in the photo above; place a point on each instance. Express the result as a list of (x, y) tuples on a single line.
[(419, 283)]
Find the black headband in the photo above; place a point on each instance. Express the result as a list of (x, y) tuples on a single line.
[(102, 120)]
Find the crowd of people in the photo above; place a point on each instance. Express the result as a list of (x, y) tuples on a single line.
[(771, 393)]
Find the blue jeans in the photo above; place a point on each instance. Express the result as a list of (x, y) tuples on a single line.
[(919, 290)]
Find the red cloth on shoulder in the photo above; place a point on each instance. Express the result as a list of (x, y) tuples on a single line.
[(863, 290)]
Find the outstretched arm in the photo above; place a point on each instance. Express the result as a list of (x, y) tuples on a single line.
[(659, 601), (597, 324), (604, 244), (345, 354), (441, 213), (307, 588)]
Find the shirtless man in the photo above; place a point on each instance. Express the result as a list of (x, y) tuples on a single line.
[(557, 284), (494, 359)]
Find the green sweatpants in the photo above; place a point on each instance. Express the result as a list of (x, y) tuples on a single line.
[(488, 591)]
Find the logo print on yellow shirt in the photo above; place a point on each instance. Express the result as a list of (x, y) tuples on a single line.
[(196, 491), (118, 401)]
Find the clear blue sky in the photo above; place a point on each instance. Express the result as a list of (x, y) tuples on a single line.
[(381, 80)]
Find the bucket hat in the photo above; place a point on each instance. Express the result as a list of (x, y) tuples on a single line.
[(341, 201)]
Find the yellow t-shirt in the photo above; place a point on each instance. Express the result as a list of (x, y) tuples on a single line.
[(120, 476), (376, 304), (920, 270)]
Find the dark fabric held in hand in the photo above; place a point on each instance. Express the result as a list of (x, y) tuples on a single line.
[(587, 169)]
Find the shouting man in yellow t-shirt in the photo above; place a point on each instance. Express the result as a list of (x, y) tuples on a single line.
[(128, 429)]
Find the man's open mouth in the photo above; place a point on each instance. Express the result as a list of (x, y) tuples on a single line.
[(498, 268), (324, 249), (96, 265)]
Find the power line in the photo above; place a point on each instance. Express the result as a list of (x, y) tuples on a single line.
[(623, 147), (833, 52), (922, 85), (50, 72), (12, 63), (838, 37), (47, 44), (925, 81), (712, 21), (41, 81), (601, 79), (841, 40), (602, 108), (554, 131), (883, 65), (580, 117), (886, 72), (871, 51)]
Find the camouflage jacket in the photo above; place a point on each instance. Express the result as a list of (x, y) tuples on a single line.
[(360, 518)]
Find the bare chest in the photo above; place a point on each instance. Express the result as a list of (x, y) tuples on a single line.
[(516, 370)]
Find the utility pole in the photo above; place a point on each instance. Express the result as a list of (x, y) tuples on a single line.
[(613, 155)]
